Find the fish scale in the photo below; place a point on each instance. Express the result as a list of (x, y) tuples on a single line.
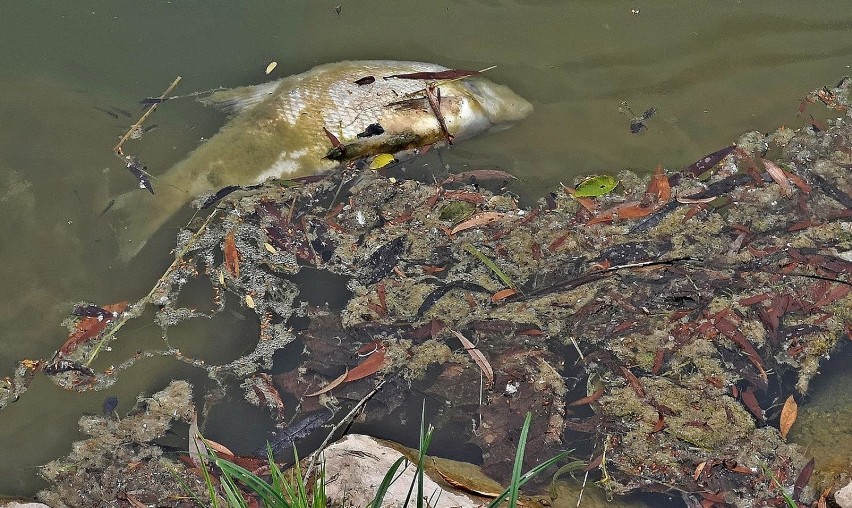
[(276, 131)]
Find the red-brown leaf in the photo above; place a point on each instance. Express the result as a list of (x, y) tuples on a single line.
[(752, 405), (368, 367), (89, 328), (660, 425), (232, 257), (659, 186), (502, 295), (803, 478), (478, 220), (634, 382), (589, 398)]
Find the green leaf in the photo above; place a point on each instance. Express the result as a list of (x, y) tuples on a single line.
[(595, 186)]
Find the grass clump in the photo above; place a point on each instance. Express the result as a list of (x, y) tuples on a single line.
[(289, 490)]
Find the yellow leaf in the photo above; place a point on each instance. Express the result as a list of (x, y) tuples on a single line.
[(270, 248), (249, 302), (221, 278), (382, 160), (271, 67), (788, 416)]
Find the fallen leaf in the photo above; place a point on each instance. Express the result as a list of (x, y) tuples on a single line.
[(698, 470), (271, 67), (788, 415), (595, 186), (382, 160), (803, 478), (368, 367), (135, 503), (366, 80), (249, 302), (634, 382), (708, 161), (502, 294), (751, 404), (269, 248), (778, 175), (232, 257), (330, 386), (478, 220), (477, 356), (659, 186), (589, 398)]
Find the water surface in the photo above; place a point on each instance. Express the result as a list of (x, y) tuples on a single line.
[(712, 70)]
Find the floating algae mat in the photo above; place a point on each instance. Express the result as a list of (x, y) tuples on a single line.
[(663, 323)]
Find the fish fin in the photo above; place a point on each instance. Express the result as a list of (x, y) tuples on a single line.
[(236, 100), (137, 215)]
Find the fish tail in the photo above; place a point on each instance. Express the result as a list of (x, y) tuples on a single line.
[(236, 100), (137, 215)]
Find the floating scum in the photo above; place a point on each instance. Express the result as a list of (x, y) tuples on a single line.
[(330, 116), (658, 321)]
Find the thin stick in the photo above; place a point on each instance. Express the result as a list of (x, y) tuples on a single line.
[(144, 116), (145, 300), (350, 416)]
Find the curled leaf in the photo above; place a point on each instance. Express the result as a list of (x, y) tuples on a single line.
[(232, 257), (477, 356), (330, 386), (478, 220), (271, 67), (779, 176)]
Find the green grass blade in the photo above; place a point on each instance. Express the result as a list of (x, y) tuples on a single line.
[(515, 486), (387, 481), (490, 264), (254, 482)]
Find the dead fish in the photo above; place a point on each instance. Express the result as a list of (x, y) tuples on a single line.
[(277, 131)]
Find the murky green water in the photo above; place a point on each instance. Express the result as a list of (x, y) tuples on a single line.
[(711, 69)]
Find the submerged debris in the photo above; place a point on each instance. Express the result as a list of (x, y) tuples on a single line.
[(672, 312)]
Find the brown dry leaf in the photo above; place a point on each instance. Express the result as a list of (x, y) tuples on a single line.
[(502, 294), (232, 257), (778, 175), (477, 356), (330, 386), (659, 185), (698, 470), (788, 416), (480, 219), (368, 367)]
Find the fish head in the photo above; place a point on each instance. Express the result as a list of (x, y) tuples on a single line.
[(497, 104)]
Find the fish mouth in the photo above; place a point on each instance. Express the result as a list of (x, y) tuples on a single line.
[(501, 106)]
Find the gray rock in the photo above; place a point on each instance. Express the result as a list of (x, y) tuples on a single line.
[(843, 497)]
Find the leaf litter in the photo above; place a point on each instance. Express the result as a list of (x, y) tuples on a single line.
[(688, 338)]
